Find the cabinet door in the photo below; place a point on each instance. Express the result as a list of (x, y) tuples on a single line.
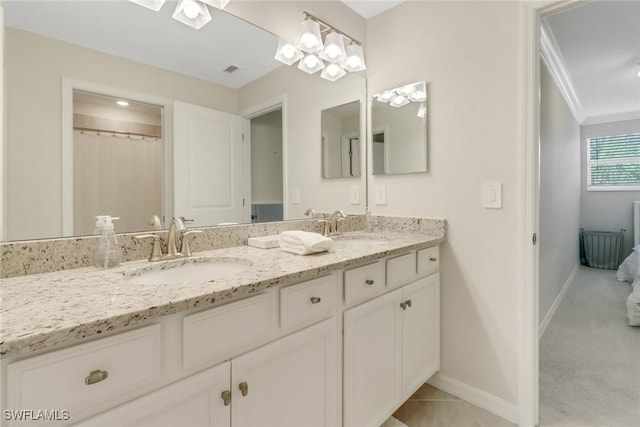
[(421, 336), (195, 401), (290, 382), (373, 360)]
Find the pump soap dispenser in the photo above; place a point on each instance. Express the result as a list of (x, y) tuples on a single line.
[(108, 254)]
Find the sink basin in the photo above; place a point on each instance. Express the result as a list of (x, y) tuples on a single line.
[(360, 240), (189, 270)]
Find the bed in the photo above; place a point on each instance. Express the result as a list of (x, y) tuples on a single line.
[(629, 271)]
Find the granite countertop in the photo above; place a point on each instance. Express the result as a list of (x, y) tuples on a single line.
[(50, 310)]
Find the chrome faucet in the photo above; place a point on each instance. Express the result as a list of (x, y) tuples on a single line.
[(176, 228), (336, 217), (310, 213)]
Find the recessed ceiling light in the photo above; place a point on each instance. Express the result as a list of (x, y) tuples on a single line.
[(122, 103)]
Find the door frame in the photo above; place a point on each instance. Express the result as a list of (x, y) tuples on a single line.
[(277, 103), (528, 370), (68, 86)]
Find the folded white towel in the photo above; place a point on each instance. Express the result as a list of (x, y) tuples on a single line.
[(313, 242), (298, 250)]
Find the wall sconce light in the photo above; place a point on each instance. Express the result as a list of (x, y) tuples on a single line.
[(194, 13), (331, 49)]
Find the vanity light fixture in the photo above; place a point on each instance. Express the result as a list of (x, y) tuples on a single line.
[(194, 13), (417, 96), (331, 49), (399, 101), (386, 96), (403, 95)]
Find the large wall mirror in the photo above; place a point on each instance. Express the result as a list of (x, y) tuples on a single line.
[(399, 130), (67, 63)]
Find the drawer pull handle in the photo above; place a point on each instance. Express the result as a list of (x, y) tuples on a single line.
[(244, 388), (226, 397), (408, 303), (433, 259), (403, 305), (96, 377), (369, 282), (315, 300)]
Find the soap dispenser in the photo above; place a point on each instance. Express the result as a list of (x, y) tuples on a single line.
[(108, 254)]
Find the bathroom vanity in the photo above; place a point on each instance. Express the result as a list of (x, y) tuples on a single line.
[(340, 338)]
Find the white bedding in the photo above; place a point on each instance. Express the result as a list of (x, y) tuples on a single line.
[(629, 271)]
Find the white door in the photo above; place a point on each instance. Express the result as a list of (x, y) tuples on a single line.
[(292, 382), (193, 402), (421, 336), (208, 165), (373, 360)]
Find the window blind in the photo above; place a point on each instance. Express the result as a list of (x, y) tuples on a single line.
[(613, 162)]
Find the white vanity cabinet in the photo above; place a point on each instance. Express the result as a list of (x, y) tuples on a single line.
[(391, 343)]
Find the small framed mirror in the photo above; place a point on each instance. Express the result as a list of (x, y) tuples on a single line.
[(340, 139), (399, 130)]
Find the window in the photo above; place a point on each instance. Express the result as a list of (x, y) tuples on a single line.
[(613, 163)]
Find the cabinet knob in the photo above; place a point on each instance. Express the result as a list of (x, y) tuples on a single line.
[(369, 282), (96, 377), (315, 300), (433, 259), (408, 303), (244, 388), (226, 397), (403, 305)]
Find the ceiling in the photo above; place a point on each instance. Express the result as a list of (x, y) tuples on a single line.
[(593, 51), (125, 29), (370, 8)]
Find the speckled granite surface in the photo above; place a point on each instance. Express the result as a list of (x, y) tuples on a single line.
[(46, 311)]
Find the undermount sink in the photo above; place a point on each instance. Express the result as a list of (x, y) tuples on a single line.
[(360, 240), (188, 270)]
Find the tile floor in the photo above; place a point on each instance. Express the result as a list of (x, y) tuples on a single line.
[(432, 407)]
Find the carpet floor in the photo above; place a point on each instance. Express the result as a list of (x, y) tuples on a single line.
[(589, 358)]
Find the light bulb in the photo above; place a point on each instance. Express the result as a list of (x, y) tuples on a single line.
[(309, 40), (354, 62), (333, 70), (288, 51), (333, 51), (311, 61), (191, 9), (386, 96)]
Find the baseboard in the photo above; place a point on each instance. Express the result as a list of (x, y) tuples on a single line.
[(480, 398), (556, 303)]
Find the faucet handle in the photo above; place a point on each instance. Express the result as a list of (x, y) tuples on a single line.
[(326, 226), (185, 250), (156, 252)]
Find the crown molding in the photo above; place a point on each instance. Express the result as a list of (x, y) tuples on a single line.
[(552, 57), (609, 118)]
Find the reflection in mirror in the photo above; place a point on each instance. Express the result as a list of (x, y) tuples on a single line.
[(117, 161), (52, 47), (340, 136), (399, 130)]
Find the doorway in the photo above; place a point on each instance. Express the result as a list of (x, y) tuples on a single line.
[(266, 132)]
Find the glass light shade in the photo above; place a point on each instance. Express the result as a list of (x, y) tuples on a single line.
[(333, 72), (422, 110), (193, 13), (334, 48), (150, 4), (310, 64), (218, 4), (386, 96), (407, 90), (399, 101), (309, 39), (418, 96), (355, 58), (287, 52)]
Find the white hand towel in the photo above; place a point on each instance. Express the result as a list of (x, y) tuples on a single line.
[(312, 241), (298, 250)]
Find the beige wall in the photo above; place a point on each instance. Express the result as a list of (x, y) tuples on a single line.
[(559, 192), (266, 158), (35, 67), (470, 55)]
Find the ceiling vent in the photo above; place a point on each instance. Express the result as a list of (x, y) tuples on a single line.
[(230, 69)]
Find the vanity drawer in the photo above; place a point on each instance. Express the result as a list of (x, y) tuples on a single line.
[(70, 379), (308, 302), (428, 261), (214, 335), (363, 282), (401, 270)]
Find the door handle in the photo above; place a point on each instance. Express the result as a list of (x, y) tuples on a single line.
[(244, 388)]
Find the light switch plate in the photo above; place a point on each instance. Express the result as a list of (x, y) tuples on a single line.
[(492, 195), (381, 194), (355, 195), (295, 195)]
